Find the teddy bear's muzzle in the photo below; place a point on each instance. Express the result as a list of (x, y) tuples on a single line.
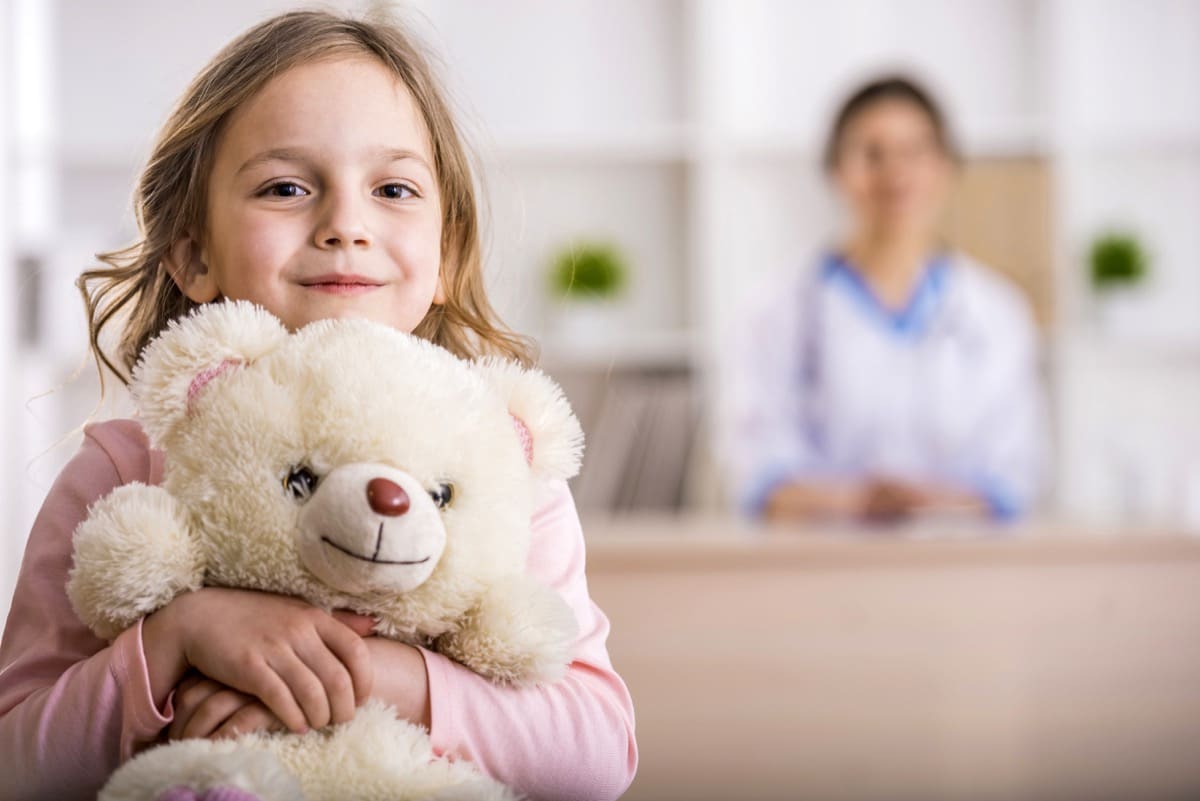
[(370, 527)]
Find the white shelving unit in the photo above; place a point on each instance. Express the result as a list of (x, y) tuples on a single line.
[(717, 151), (687, 132)]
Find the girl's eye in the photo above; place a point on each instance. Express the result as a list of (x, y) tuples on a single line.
[(285, 189), (396, 191), (442, 495), (300, 483)]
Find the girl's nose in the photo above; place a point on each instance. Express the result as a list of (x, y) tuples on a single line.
[(342, 225), (387, 497)]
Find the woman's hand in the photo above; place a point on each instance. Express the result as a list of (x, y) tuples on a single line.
[(308, 668), (887, 500)]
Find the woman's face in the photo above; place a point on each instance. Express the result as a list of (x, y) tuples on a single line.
[(891, 169)]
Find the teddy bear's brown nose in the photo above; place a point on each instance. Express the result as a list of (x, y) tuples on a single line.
[(387, 497)]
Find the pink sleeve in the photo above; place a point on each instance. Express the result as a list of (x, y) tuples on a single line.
[(570, 740), (71, 706)]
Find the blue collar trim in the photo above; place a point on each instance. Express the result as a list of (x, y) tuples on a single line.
[(913, 318)]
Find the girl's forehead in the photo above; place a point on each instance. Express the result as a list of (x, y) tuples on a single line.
[(336, 106)]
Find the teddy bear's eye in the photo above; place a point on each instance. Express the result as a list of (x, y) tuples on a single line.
[(442, 495), (300, 482)]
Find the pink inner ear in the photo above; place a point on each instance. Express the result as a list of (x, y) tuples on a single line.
[(525, 437), (203, 378)]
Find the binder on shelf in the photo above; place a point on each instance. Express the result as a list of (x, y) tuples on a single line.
[(639, 444)]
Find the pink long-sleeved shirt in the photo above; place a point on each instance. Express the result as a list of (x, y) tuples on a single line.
[(73, 707)]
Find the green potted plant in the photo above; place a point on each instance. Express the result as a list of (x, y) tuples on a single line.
[(586, 279), (1118, 267), (1117, 260), (587, 271)]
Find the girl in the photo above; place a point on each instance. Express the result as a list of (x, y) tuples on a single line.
[(313, 168), (896, 377)]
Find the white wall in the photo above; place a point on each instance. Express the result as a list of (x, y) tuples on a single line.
[(10, 521), (687, 132)]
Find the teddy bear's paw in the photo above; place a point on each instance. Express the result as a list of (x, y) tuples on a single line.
[(520, 633), (132, 555), (195, 770)]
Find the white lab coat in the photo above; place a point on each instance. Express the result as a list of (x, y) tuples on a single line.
[(824, 382)]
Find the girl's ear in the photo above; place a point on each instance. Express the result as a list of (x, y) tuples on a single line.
[(192, 353), (186, 265), (543, 421)]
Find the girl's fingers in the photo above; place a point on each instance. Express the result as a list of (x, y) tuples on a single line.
[(251, 717), (215, 710), (190, 680), (275, 692), (190, 696), (352, 652), (334, 677), (361, 625), (303, 686)]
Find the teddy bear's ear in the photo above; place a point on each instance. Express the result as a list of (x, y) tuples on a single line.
[(542, 417), (177, 366)]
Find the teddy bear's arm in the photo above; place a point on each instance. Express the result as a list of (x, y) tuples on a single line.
[(132, 555), (520, 633)]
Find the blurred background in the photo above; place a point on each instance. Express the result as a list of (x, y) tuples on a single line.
[(680, 141)]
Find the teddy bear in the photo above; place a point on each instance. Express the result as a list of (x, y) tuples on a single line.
[(356, 467)]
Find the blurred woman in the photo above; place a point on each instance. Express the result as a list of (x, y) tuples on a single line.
[(894, 376)]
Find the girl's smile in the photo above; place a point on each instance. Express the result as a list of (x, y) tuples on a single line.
[(342, 284), (323, 201)]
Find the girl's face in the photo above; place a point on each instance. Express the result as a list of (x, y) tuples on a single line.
[(322, 202), (892, 170)]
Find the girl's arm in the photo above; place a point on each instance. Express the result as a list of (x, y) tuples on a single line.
[(573, 739), (71, 707)]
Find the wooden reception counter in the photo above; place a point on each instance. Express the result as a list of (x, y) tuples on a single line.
[(941, 662)]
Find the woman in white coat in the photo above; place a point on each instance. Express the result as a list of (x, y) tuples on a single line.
[(893, 376)]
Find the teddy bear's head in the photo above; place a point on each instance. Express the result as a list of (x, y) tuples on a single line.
[(349, 463)]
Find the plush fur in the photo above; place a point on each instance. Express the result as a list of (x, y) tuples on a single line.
[(238, 405)]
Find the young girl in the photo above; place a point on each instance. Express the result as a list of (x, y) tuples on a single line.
[(313, 168)]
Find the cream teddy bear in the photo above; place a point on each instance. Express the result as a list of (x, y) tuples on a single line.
[(356, 467)]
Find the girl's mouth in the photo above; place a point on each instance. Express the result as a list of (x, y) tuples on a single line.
[(341, 284)]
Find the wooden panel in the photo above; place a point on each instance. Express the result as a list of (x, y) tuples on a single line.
[(1000, 214), (765, 668)]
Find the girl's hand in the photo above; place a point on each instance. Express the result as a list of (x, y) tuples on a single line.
[(208, 709), (306, 667)]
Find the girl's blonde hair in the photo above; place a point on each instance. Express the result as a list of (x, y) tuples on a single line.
[(172, 193)]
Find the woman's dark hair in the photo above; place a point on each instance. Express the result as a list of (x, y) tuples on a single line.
[(891, 87)]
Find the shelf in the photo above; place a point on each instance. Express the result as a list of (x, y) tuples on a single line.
[(1134, 141), (1019, 136), (670, 143), (659, 349), (1134, 351)]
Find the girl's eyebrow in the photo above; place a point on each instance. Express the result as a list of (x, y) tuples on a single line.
[(277, 154), (401, 154), (292, 154)]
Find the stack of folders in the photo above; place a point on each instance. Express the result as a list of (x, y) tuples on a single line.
[(639, 441)]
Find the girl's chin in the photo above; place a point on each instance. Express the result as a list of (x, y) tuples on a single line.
[(373, 312)]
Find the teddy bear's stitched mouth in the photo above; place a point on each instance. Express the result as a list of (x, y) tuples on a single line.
[(372, 560)]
